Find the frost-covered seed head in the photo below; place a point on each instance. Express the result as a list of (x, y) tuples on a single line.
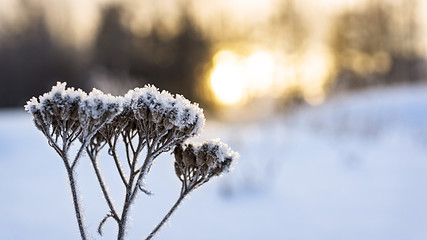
[(160, 116), (99, 108), (125, 119), (55, 107), (211, 158), (216, 155), (72, 99), (161, 111), (33, 107), (64, 109)]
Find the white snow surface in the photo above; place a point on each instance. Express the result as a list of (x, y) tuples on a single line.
[(352, 168)]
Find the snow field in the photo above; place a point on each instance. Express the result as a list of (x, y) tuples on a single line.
[(352, 168)]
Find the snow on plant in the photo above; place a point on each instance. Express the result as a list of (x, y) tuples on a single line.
[(196, 165), (143, 121)]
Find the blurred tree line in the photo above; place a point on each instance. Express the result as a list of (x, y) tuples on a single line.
[(376, 45), (370, 45), (173, 62), (31, 60)]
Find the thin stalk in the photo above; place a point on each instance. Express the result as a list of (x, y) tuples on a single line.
[(103, 185), (117, 161), (70, 172), (167, 216), (126, 208), (127, 150), (79, 153), (77, 208), (123, 219), (143, 171), (151, 155), (85, 142), (52, 143), (130, 192)]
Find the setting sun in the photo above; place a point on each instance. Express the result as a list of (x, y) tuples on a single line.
[(235, 78), (227, 78)]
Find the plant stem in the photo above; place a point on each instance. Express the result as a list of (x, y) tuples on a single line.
[(70, 172), (123, 218), (79, 153), (167, 216), (130, 192), (117, 162), (76, 202), (102, 184), (131, 188)]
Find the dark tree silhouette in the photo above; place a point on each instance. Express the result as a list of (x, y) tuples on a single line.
[(172, 63), (31, 60)]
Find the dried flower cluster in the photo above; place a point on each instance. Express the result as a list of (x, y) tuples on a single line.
[(196, 164), (144, 118), (151, 112), (57, 112)]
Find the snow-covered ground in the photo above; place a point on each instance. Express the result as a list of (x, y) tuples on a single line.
[(352, 168)]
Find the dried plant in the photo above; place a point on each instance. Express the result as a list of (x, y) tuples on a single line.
[(143, 121)]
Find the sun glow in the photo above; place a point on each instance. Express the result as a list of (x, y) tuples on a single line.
[(316, 68), (236, 78), (227, 78)]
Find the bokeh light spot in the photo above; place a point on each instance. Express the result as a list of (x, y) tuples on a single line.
[(226, 78)]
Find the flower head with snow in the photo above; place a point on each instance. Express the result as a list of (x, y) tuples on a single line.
[(98, 109), (56, 110), (195, 164), (66, 111), (144, 118), (164, 117)]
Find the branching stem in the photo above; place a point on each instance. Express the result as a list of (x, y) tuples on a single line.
[(131, 188)]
